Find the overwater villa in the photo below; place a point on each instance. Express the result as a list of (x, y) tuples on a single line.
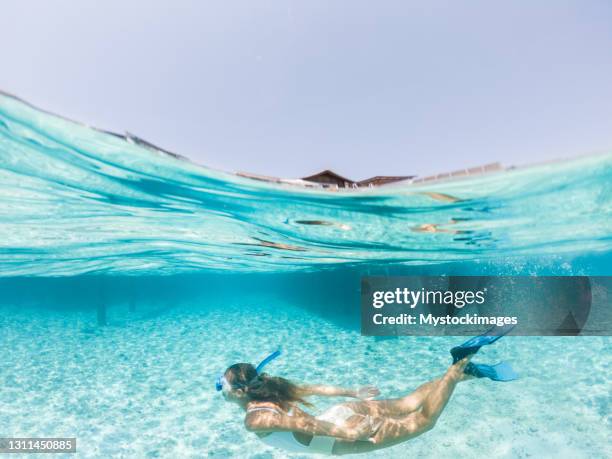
[(330, 180)]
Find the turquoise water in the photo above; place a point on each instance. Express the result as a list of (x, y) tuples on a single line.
[(129, 279), (76, 200)]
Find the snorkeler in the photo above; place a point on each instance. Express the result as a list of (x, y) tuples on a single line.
[(272, 412)]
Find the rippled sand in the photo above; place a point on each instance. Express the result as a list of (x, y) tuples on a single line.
[(144, 386)]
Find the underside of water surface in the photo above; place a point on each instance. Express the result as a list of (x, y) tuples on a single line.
[(129, 279), (77, 200)]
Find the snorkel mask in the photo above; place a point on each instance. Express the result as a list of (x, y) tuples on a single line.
[(221, 379)]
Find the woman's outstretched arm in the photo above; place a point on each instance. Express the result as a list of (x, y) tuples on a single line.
[(364, 393)]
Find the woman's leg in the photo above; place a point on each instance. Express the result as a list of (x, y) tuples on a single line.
[(395, 407), (397, 430), (412, 402)]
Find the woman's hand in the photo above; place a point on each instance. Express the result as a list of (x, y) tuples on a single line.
[(366, 429), (367, 392)]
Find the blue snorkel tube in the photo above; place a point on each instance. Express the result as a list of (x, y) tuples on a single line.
[(258, 369), (267, 360)]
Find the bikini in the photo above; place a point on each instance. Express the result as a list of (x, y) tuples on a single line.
[(320, 444)]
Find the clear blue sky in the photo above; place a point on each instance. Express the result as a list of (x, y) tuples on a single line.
[(287, 88)]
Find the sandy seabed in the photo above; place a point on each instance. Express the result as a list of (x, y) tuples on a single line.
[(143, 386)]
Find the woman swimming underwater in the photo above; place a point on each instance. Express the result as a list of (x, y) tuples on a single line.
[(272, 412)]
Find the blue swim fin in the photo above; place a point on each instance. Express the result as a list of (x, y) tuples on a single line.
[(500, 372), (472, 345)]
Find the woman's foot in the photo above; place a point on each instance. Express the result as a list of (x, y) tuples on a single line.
[(456, 370), (467, 377)]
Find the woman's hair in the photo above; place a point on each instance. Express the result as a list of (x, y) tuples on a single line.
[(264, 388)]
